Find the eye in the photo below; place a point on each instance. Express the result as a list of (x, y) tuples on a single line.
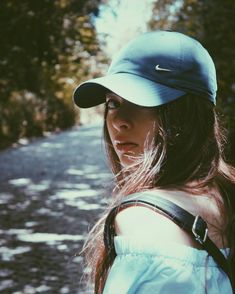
[(112, 104)]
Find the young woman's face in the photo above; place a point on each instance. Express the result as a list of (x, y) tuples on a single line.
[(131, 127)]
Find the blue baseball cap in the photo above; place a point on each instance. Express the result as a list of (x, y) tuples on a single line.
[(153, 69)]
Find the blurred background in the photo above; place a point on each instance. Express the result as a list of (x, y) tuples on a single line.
[(53, 175), (48, 47)]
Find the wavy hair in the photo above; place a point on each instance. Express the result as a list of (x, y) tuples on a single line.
[(188, 155)]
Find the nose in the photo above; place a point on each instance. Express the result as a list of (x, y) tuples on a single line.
[(121, 120)]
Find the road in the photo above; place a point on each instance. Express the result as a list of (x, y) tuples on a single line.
[(52, 191)]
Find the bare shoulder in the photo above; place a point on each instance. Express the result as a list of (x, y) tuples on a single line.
[(143, 222), (134, 219)]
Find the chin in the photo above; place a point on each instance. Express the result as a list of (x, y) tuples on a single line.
[(127, 160)]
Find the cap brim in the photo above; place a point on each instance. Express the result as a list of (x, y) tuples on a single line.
[(134, 88)]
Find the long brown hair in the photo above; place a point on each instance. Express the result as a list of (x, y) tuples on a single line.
[(188, 148)]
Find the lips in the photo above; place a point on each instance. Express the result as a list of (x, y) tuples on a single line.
[(125, 146)]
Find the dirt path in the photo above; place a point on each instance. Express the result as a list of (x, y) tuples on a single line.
[(52, 190)]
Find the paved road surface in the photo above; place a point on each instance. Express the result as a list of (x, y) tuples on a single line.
[(52, 190)]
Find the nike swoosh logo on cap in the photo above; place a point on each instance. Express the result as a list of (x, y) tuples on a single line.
[(157, 67)]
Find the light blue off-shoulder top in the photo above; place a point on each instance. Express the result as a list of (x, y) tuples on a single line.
[(144, 267)]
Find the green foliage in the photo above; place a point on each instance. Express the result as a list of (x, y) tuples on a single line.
[(46, 49), (212, 23)]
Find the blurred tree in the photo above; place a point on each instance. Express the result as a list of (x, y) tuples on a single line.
[(212, 23), (47, 47)]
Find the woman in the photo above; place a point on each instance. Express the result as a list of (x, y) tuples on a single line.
[(164, 142)]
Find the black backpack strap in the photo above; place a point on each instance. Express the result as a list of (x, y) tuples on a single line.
[(194, 225)]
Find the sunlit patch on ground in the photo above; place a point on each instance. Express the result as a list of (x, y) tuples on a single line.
[(75, 194), (7, 254), (50, 239), (51, 145), (76, 172), (21, 182), (5, 198)]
